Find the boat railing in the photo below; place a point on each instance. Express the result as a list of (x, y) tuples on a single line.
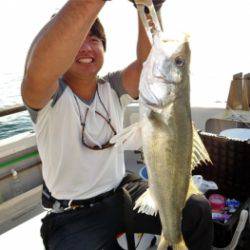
[(12, 110), (22, 159)]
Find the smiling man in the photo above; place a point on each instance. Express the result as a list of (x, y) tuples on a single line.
[(75, 113)]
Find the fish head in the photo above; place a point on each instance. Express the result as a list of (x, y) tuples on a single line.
[(165, 74)]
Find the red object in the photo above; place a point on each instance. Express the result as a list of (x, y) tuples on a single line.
[(119, 235), (217, 202)]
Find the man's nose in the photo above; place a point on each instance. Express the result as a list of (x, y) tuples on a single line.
[(85, 47)]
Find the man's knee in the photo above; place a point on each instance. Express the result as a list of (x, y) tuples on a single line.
[(197, 224), (197, 212), (197, 205)]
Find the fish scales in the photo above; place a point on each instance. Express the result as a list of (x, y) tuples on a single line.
[(167, 131), (167, 153)]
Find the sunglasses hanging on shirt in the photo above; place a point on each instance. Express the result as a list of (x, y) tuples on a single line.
[(83, 124)]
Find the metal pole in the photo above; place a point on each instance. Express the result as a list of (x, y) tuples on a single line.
[(12, 110)]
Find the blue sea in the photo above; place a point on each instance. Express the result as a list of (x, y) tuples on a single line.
[(10, 95), (15, 124)]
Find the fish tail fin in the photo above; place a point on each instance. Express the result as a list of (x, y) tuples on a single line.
[(145, 204), (180, 246), (163, 244)]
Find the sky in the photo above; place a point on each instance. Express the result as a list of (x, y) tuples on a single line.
[(218, 29)]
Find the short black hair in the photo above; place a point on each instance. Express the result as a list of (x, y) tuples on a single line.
[(98, 31)]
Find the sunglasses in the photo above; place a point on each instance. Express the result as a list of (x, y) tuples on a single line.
[(83, 124), (103, 146)]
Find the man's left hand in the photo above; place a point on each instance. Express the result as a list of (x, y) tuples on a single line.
[(157, 3)]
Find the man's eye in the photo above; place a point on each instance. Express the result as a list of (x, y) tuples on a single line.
[(96, 40)]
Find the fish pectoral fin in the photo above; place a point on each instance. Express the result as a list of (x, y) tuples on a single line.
[(130, 137), (199, 153), (145, 204)]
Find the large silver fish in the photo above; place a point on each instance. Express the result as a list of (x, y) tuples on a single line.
[(171, 145)]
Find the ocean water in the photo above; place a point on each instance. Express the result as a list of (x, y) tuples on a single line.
[(10, 95), (15, 124)]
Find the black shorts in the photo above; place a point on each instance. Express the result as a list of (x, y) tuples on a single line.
[(97, 227)]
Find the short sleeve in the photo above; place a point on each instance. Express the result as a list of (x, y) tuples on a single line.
[(115, 80), (34, 112)]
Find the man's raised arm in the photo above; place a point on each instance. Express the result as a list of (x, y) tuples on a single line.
[(131, 74), (54, 49)]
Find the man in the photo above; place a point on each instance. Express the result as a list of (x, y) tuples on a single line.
[(75, 114)]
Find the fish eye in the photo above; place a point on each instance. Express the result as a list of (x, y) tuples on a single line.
[(179, 61)]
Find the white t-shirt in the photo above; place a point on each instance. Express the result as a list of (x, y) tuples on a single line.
[(70, 169)]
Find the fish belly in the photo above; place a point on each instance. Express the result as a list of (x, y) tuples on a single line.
[(167, 147)]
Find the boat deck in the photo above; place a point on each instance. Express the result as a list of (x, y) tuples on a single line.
[(24, 236)]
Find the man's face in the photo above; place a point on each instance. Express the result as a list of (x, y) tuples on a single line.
[(89, 59)]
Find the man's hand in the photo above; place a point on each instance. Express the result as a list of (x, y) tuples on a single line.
[(131, 74), (157, 3)]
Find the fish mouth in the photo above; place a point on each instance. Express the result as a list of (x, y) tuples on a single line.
[(149, 104), (157, 95)]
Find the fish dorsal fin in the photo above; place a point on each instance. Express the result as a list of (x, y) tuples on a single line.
[(199, 153)]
